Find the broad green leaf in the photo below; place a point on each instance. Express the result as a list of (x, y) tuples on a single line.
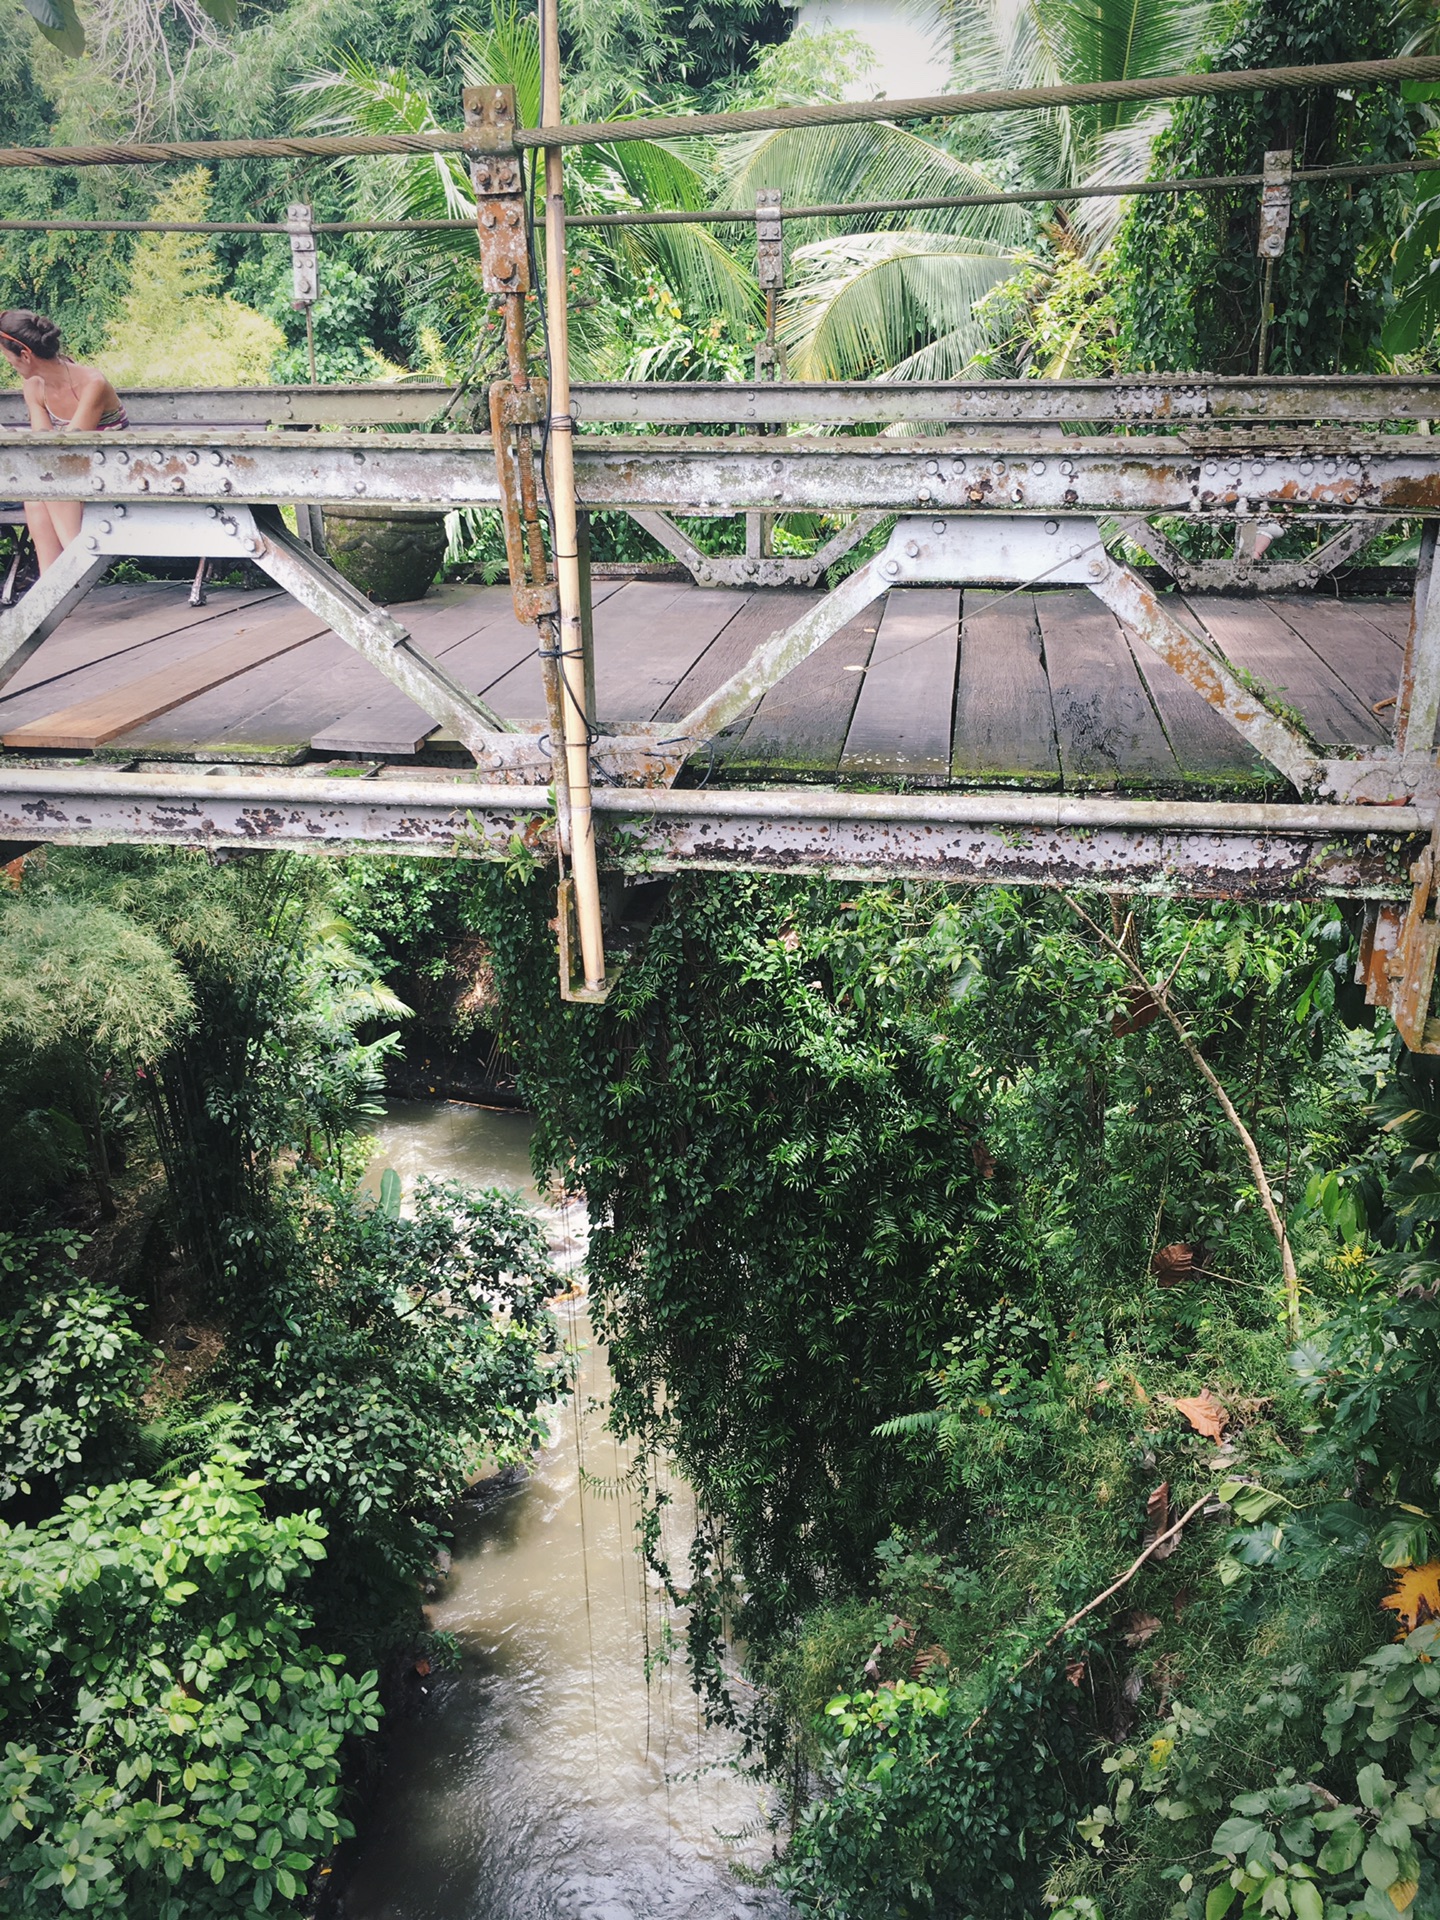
[(1219, 1901)]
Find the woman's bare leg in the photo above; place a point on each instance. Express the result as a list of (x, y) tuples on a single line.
[(49, 543), (65, 516)]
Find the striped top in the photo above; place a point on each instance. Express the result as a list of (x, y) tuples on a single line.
[(112, 417)]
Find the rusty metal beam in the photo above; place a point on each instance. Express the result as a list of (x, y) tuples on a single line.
[(1159, 398), (1205, 849), (1202, 665), (1288, 481), (36, 616)]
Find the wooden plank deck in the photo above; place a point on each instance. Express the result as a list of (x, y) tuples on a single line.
[(932, 686)]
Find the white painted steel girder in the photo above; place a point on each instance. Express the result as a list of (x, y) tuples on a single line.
[(1094, 474), (1192, 398), (1204, 849)]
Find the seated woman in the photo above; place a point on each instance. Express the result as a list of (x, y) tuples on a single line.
[(61, 397)]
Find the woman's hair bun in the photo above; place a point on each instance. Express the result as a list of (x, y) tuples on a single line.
[(31, 330)]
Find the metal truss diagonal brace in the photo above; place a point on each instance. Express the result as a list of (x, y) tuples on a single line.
[(374, 635), (1212, 677), (753, 570), (57, 592), (775, 657)]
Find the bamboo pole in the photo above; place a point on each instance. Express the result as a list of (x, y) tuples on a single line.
[(570, 638)]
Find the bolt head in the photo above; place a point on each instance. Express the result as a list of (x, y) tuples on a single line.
[(1097, 567), (98, 484), (912, 548), (92, 543), (359, 487), (923, 493), (891, 566), (107, 526), (937, 526), (932, 466), (1038, 467), (177, 485), (1052, 526), (217, 459)]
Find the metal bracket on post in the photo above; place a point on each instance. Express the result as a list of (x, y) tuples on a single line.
[(770, 278), (769, 355), (517, 404), (1275, 202)]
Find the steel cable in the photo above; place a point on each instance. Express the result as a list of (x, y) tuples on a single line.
[(940, 106)]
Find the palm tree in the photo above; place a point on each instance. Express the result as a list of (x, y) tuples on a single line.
[(895, 295), (625, 176)]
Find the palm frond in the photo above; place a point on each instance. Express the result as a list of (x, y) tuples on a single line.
[(865, 303), (827, 166)]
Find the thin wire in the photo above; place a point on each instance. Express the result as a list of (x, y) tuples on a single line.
[(736, 216), (580, 1494)]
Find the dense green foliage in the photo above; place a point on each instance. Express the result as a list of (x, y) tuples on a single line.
[(1192, 283), (199, 1565), (878, 1185)]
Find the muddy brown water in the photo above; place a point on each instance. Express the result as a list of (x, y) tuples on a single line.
[(546, 1778)]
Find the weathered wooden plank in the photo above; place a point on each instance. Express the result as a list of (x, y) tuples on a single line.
[(1105, 726), (89, 723), (387, 722), (268, 714), (903, 717), (1205, 748), (1357, 650), (798, 730), (129, 637), (768, 610), (1255, 638), (1004, 720), (648, 635), (1391, 615)]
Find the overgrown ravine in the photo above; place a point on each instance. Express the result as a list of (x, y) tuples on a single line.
[(543, 1778)]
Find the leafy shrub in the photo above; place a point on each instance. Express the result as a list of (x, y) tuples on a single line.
[(934, 1806), (388, 1358), (72, 1366), (173, 1742)]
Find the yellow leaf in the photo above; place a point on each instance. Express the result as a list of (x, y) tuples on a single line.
[(1402, 1893), (1415, 1599)]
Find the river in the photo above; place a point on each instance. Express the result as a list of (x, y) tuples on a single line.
[(544, 1779)]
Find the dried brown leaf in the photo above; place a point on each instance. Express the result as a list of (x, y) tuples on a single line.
[(1139, 1627), (1205, 1413)]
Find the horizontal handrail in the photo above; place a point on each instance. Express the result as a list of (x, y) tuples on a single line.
[(1137, 399), (942, 106)]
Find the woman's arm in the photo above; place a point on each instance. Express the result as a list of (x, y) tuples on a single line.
[(34, 392)]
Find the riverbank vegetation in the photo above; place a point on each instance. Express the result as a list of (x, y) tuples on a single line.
[(239, 1395), (924, 1245)]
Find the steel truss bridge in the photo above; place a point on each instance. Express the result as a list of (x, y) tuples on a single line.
[(986, 485)]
